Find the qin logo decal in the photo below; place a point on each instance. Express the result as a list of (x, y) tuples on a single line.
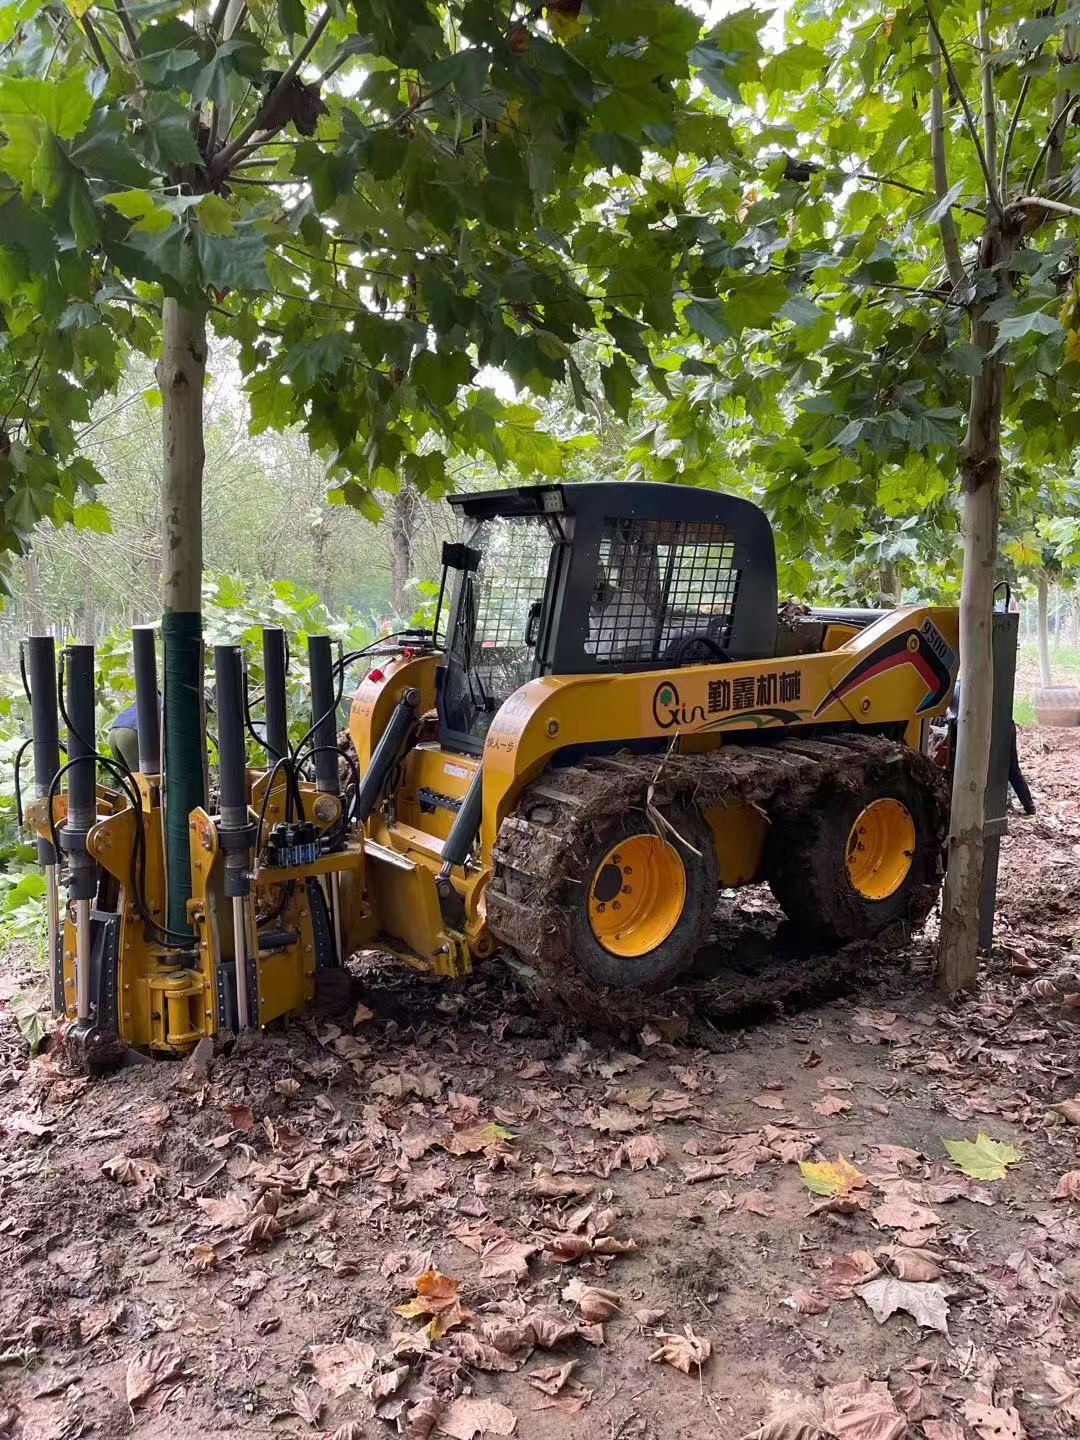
[(927, 652), (668, 709)]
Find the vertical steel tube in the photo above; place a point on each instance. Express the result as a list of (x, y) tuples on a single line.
[(323, 713), (147, 706), (274, 703), (82, 960), (234, 824), (335, 906), (45, 720), (243, 1016), (82, 809), (52, 910)]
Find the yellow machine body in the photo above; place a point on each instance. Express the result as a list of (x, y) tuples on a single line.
[(694, 708)]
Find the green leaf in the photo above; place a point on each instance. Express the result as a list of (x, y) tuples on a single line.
[(165, 133), (617, 380), (708, 319), (1034, 322), (291, 18), (437, 375), (232, 262), (92, 516), (29, 1018), (982, 1158)]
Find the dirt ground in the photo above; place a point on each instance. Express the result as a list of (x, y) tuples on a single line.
[(448, 1212)]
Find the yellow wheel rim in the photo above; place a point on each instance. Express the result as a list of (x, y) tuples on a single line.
[(880, 849), (637, 895)]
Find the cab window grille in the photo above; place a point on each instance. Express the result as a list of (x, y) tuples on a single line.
[(493, 644), (665, 590)]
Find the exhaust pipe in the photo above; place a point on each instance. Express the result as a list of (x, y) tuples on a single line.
[(275, 710)]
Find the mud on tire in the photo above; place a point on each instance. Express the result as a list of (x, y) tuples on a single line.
[(806, 858), (659, 966)]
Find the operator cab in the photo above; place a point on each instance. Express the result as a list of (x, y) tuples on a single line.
[(602, 577)]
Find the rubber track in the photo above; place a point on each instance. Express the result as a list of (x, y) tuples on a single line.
[(542, 847)]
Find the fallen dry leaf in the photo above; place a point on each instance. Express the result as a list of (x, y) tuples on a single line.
[(847, 1271), (832, 1177), (479, 1354), (593, 1302), (753, 1202), (423, 1417), (307, 1405), (571, 1401), (767, 1101), (476, 1139), (993, 1422), (342, 1366), (551, 1378), (830, 1105), (862, 1410), (642, 1150), (1069, 1110), (466, 1417), (560, 1187), (897, 1213), (141, 1174), (1066, 1388), (240, 1116), (507, 1260), (807, 1302), (1068, 1186), (982, 1158), (147, 1371), (927, 1302), (685, 1352), (909, 1264)]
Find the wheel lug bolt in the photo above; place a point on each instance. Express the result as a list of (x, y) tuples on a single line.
[(615, 904), (625, 890)]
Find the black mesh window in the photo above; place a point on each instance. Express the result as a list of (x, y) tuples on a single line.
[(493, 644), (665, 591)]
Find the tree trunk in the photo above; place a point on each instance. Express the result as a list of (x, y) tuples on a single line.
[(404, 515), (89, 625), (181, 377), (980, 473), (890, 587), (1042, 633), (34, 597)]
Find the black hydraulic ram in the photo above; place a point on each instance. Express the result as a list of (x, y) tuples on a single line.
[(44, 716), (147, 711), (81, 811), (323, 714), (234, 822), (275, 713), (324, 735), (386, 754), (459, 842)]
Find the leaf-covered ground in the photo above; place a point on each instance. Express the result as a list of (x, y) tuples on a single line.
[(446, 1213)]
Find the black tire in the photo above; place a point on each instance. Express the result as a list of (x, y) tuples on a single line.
[(659, 966), (806, 852)]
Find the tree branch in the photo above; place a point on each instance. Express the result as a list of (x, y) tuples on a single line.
[(1053, 145), (992, 197), (950, 240), (1036, 202), (95, 43), (986, 85), (1003, 176), (219, 166), (128, 28)]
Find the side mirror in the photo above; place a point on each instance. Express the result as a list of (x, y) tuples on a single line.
[(532, 625)]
